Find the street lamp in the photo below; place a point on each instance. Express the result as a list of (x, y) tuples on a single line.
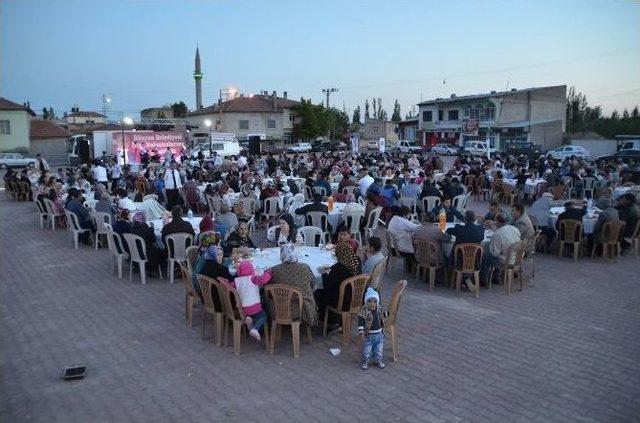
[(208, 123), (125, 121)]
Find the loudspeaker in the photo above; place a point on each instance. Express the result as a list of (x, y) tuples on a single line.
[(83, 151), (254, 145)]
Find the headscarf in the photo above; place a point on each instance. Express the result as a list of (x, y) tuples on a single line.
[(206, 224), (347, 257), (123, 214), (292, 226), (140, 217), (211, 253), (100, 191), (371, 294), (288, 254)]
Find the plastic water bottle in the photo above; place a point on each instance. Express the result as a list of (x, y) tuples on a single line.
[(190, 214)]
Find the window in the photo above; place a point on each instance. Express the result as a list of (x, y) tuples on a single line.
[(243, 124), (427, 116), (480, 112), (375, 129), (271, 123), (453, 115), (440, 114), (217, 146), (5, 127), (292, 118)]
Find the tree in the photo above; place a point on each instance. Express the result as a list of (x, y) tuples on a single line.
[(615, 115), (625, 114), (375, 109), (52, 114), (366, 110), (179, 109), (396, 117), (315, 121), (634, 113), (45, 113), (356, 115)]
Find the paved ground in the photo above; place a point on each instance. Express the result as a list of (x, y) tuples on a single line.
[(565, 350)]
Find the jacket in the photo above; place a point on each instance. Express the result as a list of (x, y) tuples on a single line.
[(365, 318)]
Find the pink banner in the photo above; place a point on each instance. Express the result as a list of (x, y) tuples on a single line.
[(152, 142)]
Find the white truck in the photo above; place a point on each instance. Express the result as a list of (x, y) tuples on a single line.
[(224, 144)]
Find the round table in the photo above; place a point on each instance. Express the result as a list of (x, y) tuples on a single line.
[(315, 257)]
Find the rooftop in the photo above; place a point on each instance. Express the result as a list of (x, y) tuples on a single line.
[(487, 95), (42, 129), (86, 114), (6, 104), (256, 103)]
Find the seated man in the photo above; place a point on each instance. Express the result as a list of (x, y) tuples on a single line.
[(469, 233), (373, 255), (315, 206), (503, 238), (429, 231), (522, 222), (74, 205), (630, 214), (177, 224), (449, 210)]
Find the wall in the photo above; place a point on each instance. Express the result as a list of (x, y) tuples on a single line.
[(599, 147), (81, 120), (19, 123), (52, 149), (548, 135)]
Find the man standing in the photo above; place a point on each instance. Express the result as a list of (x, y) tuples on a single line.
[(173, 184), (100, 174)]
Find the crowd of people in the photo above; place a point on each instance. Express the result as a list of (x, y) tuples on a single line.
[(394, 182)]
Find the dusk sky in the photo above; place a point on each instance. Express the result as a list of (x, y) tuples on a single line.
[(140, 53)]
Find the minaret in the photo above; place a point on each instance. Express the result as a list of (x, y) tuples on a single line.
[(197, 75)]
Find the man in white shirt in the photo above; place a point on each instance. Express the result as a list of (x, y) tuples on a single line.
[(503, 238), (242, 161), (116, 174), (364, 184), (100, 174), (173, 185), (401, 230)]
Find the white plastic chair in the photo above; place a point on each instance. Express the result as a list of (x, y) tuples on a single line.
[(319, 220), (138, 254), (311, 235), (176, 244), (430, 202), (51, 214), (349, 190), (372, 222), (353, 221), (118, 253), (320, 190), (74, 227), (101, 219), (271, 208), (42, 214)]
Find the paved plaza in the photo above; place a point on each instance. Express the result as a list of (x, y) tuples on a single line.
[(567, 349)]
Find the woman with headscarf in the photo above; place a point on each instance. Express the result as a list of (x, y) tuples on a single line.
[(286, 231), (296, 203), (226, 220), (238, 239), (139, 227), (299, 275), (348, 265)]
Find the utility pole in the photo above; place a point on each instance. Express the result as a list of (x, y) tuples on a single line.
[(105, 104), (328, 92)]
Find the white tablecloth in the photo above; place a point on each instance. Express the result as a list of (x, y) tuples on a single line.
[(530, 186), (313, 256), (588, 221), (617, 192), (157, 224)]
